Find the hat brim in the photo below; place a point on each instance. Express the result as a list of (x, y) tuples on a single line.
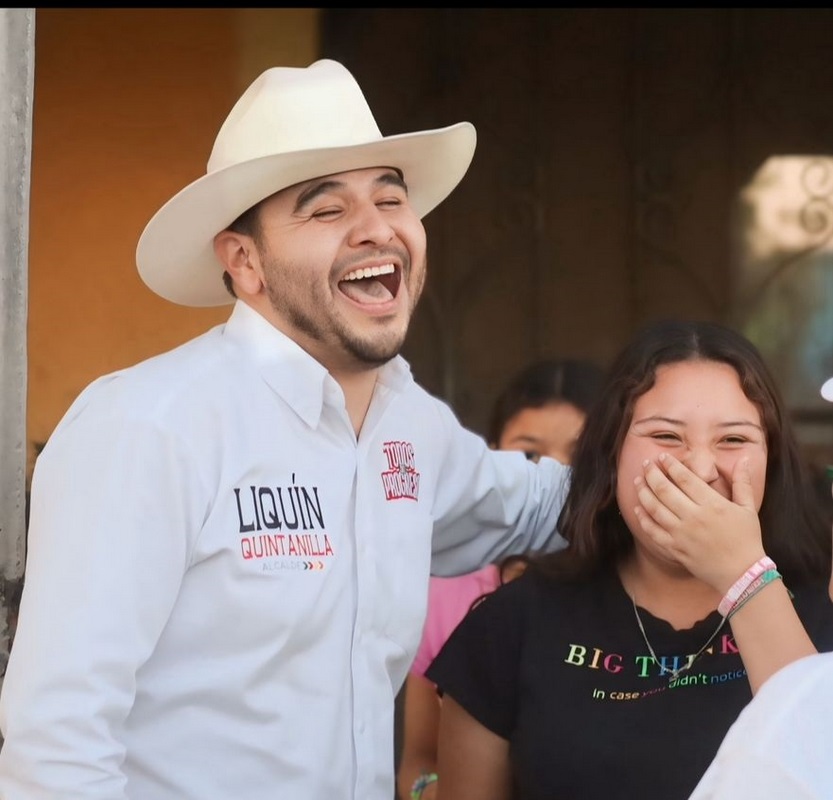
[(175, 254)]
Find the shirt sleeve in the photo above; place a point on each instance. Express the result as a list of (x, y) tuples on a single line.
[(449, 599), (751, 775), (779, 745), (479, 664), (112, 500), (431, 640), (490, 503)]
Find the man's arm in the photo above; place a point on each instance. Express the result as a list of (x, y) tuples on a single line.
[(491, 503), (779, 746), (106, 557)]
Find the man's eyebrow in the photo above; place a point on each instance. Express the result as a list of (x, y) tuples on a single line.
[(392, 178), (309, 194)]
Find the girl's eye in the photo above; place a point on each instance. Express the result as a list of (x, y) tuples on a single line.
[(666, 437), (735, 440), (532, 455)]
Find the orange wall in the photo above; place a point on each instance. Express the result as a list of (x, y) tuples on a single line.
[(127, 103)]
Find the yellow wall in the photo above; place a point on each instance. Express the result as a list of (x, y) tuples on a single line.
[(126, 107)]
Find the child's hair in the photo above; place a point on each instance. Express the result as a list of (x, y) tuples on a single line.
[(554, 380)]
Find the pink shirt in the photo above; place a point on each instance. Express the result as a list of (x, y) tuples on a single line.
[(449, 599)]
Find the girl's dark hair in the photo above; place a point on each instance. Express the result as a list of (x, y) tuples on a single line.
[(796, 534), (566, 380)]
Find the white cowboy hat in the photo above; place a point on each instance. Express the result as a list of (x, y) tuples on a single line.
[(291, 125)]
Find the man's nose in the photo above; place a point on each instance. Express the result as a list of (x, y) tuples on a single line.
[(371, 225)]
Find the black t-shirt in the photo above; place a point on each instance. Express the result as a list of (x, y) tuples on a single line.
[(562, 672)]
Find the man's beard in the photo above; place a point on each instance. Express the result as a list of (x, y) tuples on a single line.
[(330, 331)]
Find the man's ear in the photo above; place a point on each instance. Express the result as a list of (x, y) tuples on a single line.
[(238, 255)]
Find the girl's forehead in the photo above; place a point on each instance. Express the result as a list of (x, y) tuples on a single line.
[(688, 376), (697, 388)]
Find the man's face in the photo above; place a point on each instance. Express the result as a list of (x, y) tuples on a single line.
[(342, 262)]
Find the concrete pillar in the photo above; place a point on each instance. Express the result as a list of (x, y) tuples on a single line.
[(17, 29)]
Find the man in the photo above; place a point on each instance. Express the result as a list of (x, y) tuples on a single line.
[(779, 746), (230, 543)]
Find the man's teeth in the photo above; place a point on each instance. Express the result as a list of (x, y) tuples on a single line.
[(369, 272)]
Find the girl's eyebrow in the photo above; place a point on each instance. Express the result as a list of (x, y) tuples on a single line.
[(524, 438), (658, 418), (672, 421), (392, 178)]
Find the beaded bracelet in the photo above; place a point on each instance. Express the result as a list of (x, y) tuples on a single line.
[(762, 580), (743, 583), (768, 577), (424, 780)]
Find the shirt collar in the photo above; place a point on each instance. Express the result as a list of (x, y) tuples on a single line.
[(293, 373)]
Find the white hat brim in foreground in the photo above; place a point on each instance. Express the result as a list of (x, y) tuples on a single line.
[(175, 254), (827, 390)]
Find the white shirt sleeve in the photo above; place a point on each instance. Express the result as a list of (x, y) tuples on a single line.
[(779, 746), (112, 499), (490, 503)]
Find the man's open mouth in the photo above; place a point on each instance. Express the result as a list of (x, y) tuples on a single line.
[(378, 284)]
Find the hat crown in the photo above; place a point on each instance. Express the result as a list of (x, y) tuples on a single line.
[(289, 109), (291, 125)]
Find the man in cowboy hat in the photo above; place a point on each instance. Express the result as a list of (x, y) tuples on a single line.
[(230, 543)]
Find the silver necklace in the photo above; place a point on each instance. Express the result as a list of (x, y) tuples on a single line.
[(674, 673)]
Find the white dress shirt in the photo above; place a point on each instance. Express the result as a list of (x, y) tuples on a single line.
[(225, 587), (779, 746)]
